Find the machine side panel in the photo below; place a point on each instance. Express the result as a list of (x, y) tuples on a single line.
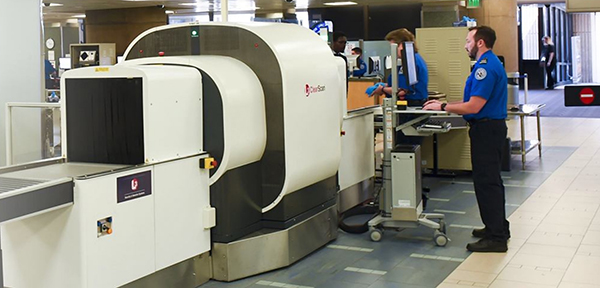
[(173, 112), (180, 197), (307, 198), (44, 251), (128, 253), (104, 120), (237, 198), (357, 162)]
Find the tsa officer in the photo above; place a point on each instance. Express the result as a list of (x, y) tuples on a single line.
[(484, 107), (362, 66), (417, 94)]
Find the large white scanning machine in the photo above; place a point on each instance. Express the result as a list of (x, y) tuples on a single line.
[(135, 200)]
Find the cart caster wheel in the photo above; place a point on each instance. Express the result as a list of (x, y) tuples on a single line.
[(376, 235), (440, 240), (442, 226)]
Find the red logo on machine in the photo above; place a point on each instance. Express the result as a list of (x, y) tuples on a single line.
[(313, 89), (134, 184), (586, 96)]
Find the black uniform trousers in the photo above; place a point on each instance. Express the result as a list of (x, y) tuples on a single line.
[(487, 139), (549, 77)]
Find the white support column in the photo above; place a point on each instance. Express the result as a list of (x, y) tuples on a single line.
[(224, 10), (21, 68)]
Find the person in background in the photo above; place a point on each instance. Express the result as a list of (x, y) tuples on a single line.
[(548, 61), (484, 108), (50, 74), (362, 66), (416, 94), (338, 45)]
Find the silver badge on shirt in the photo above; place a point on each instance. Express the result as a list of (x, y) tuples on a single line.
[(480, 74)]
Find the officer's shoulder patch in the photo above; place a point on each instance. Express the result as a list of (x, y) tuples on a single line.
[(483, 61), (480, 74)]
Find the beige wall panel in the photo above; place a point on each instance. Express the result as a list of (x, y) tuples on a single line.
[(502, 17)]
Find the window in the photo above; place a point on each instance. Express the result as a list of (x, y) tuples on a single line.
[(529, 30)]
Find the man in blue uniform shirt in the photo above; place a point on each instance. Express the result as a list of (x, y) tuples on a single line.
[(484, 107), (362, 66)]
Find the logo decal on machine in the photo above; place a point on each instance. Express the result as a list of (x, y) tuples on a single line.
[(134, 186), (313, 89)]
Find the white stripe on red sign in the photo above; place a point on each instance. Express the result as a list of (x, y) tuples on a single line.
[(587, 95)]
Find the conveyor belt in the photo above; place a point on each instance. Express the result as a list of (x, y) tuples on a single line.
[(30, 191), (10, 184), (23, 197)]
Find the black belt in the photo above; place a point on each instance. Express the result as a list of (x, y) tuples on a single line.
[(475, 121)]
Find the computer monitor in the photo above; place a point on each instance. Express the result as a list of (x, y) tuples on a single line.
[(64, 63), (409, 67), (352, 62), (374, 65), (87, 57), (323, 28), (387, 62)]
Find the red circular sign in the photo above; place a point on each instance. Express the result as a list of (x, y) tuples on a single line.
[(586, 96)]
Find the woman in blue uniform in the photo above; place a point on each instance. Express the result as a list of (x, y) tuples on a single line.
[(484, 107), (416, 94)]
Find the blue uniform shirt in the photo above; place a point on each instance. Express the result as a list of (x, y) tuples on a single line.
[(487, 80), (363, 69), (48, 68), (419, 90)]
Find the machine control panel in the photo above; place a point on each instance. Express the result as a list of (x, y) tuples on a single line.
[(104, 226)]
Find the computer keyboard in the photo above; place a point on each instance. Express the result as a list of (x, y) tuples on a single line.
[(433, 125)]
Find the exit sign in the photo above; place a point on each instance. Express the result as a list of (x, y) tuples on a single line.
[(472, 3)]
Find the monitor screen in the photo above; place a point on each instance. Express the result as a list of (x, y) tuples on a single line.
[(352, 62), (87, 57), (387, 62), (64, 63), (374, 65), (409, 68)]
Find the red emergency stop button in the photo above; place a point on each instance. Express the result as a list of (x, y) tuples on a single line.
[(208, 163)]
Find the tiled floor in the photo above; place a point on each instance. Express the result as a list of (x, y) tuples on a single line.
[(555, 230)]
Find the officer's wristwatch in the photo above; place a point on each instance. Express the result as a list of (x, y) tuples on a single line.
[(443, 106)]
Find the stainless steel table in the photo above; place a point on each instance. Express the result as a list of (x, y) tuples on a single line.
[(523, 146)]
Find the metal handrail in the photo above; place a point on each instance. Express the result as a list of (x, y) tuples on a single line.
[(8, 124)]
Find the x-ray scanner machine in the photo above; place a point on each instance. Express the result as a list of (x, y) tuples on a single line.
[(210, 152)]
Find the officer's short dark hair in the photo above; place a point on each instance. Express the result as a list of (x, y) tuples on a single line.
[(357, 50), (486, 33), (337, 35)]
